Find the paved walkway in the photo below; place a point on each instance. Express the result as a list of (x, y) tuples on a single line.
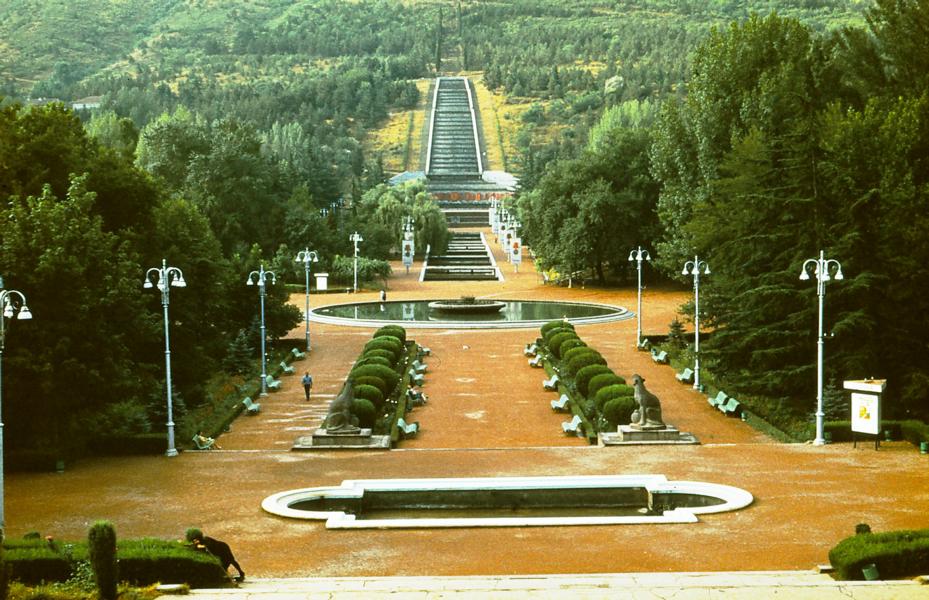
[(487, 416), (751, 585)]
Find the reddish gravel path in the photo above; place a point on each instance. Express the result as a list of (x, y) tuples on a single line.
[(488, 416)]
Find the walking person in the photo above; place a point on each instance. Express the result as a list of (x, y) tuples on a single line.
[(307, 382)]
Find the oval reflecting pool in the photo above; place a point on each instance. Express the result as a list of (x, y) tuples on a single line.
[(515, 313)]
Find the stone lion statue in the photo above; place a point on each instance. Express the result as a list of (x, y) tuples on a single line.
[(340, 419), (648, 413)]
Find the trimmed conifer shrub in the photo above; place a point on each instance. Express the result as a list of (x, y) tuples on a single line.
[(618, 411), (386, 342), (583, 377), (571, 344), (616, 390), (388, 375), (559, 323), (548, 335), (388, 354), (392, 330), (567, 355), (369, 392), (101, 547), (365, 411), (580, 361), (554, 342), (374, 360), (377, 382), (600, 381)]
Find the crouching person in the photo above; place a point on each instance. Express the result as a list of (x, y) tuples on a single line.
[(217, 548)]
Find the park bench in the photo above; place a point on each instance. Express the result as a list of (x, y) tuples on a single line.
[(251, 408), (272, 383), (422, 351), (416, 398), (572, 426), (660, 357), (286, 369), (718, 400), (297, 354), (536, 362), (551, 384), (407, 429), (415, 378), (561, 403), (418, 366), (731, 408), (686, 376), (644, 344), (531, 349), (208, 445)]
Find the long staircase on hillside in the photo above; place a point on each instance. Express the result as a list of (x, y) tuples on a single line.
[(468, 258)]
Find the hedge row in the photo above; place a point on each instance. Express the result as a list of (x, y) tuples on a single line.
[(911, 430), (896, 554), (376, 374), (141, 562), (605, 395)]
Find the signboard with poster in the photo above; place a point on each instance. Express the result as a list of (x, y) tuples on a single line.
[(407, 252), (517, 251), (866, 406)]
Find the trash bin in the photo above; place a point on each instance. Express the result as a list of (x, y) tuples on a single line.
[(870, 572), (924, 447)]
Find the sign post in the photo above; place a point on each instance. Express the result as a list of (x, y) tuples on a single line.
[(866, 407)]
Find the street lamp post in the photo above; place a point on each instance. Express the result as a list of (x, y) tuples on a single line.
[(638, 255), (167, 277), (821, 268), (692, 267), (12, 303), (258, 277), (356, 239), (307, 256)]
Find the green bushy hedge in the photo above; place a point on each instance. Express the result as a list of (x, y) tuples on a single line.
[(388, 375), (548, 335), (619, 410), (568, 355), (559, 324), (367, 359), (365, 411), (610, 392), (377, 382), (370, 393), (391, 330), (386, 342), (584, 376), (911, 430), (897, 554), (598, 382), (388, 355), (554, 342), (570, 344), (579, 362), (141, 562)]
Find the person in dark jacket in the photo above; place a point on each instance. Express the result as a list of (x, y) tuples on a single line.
[(217, 548)]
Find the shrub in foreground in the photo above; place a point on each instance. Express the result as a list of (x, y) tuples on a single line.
[(370, 393), (554, 342), (618, 411), (616, 390), (393, 331), (579, 362), (560, 323), (388, 375), (896, 554), (101, 545), (568, 355)]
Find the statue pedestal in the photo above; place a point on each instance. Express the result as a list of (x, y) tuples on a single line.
[(627, 435), (324, 440)]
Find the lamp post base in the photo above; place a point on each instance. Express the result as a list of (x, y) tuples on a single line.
[(171, 452)]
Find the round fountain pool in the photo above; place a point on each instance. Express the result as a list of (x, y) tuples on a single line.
[(507, 502), (512, 313)]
